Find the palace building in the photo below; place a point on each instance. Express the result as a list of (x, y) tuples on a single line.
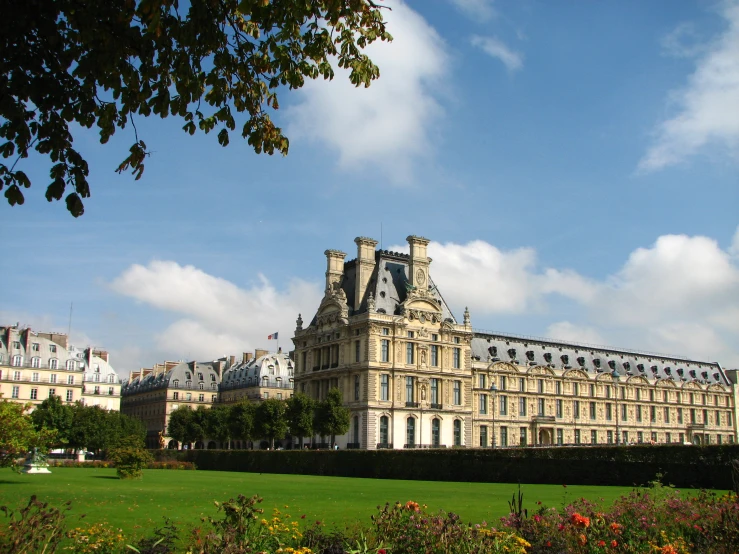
[(35, 366), (415, 376)]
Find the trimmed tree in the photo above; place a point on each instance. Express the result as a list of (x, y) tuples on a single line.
[(217, 424), (332, 418), (179, 424), (18, 435), (241, 420), (54, 414), (270, 421), (300, 415)]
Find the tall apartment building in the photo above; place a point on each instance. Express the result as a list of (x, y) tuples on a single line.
[(35, 366), (414, 376)]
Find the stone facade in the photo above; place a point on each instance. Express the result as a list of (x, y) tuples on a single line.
[(413, 376), (35, 366)]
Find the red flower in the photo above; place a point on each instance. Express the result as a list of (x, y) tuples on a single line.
[(549, 543), (601, 543), (382, 551), (614, 544), (580, 521)]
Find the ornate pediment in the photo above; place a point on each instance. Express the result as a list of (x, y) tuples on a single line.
[(540, 370), (333, 307), (575, 374), (420, 304), (637, 379), (503, 366)]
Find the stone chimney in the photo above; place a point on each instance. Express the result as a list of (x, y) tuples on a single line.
[(246, 357), (231, 361), (418, 269), (258, 353), (102, 354), (365, 267), (334, 268)]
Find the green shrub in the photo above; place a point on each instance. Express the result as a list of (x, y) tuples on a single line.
[(129, 461)]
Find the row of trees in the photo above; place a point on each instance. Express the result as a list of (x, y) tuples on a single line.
[(78, 426), (271, 419)]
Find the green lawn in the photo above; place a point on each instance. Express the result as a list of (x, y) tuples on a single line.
[(136, 506)]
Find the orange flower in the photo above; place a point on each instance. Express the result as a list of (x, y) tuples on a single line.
[(668, 549), (580, 521), (601, 543), (616, 527), (412, 506), (582, 539)]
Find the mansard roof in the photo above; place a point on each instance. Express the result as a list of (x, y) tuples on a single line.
[(595, 360), (195, 372), (273, 366)]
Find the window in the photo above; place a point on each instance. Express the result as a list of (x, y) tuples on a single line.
[(357, 352), (410, 334), (175, 395), (705, 417), (52, 348), (385, 331), (97, 390), (680, 416), (35, 362), (575, 389), (639, 437), (188, 384), (17, 361), (409, 389), (638, 414), (176, 383), (52, 378), (456, 358), (385, 350), (540, 386), (16, 344), (482, 381), (558, 387), (435, 432), (35, 347), (608, 391), (625, 437), (70, 395), (34, 394), (434, 355), (577, 436), (522, 384), (434, 337), (560, 437), (435, 391), (522, 438), (609, 437), (409, 351), (522, 406), (718, 418), (576, 409), (70, 379), (410, 432), (692, 415), (664, 396), (457, 393), (111, 378), (592, 390), (540, 406), (456, 340), (34, 377), (559, 408), (592, 410), (201, 397), (188, 396), (212, 397), (52, 393), (504, 436), (653, 414), (668, 437), (609, 412), (503, 402), (593, 437), (69, 364), (16, 376), (384, 386), (383, 430), (188, 375), (201, 386), (667, 415), (213, 386), (15, 392), (457, 432), (483, 436), (483, 403), (97, 377), (356, 387)]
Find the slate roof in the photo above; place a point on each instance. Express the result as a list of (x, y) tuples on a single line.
[(594, 360), (273, 366)]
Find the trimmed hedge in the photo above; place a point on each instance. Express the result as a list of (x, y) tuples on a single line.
[(681, 465), (168, 464)]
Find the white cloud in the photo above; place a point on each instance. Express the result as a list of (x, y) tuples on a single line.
[(734, 248), (388, 126), (476, 9), (683, 42), (707, 111), (495, 48), (219, 317), (569, 332)]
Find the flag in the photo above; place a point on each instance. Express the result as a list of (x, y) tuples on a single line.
[(273, 336)]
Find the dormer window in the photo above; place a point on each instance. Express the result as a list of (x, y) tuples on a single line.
[(612, 364), (200, 376), (35, 347), (512, 353), (548, 357), (596, 362), (70, 365), (16, 345), (565, 359), (530, 355), (493, 351), (627, 366), (188, 384), (640, 367), (581, 361), (704, 374), (654, 369), (212, 377), (52, 348), (188, 375), (176, 383), (97, 368), (668, 370)]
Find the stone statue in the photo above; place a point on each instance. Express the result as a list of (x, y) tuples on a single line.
[(161, 441)]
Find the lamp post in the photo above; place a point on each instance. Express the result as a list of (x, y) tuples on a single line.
[(616, 377), (493, 390)]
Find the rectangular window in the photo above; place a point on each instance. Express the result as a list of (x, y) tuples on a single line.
[(560, 437), (653, 414), (35, 347), (503, 401), (457, 393), (664, 396), (70, 395), (385, 331), (409, 389), (504, 436), (483, 403), (575, 389), (624, 413), (52, 393), (609, 412), (577, 436), (357, 351), (638, 394), (559, 408), (576, 409), (667, 415), (558, 388), (201, 397), (718, 439), (522, 406), (654, 437), (522, 436), (692, 415), (609, 437), (593, 437), (435, 391), (502, 382), (483, 436), (639, 437), (384, 386), (592, 390), (456, 355), (175, 395), (434, 355), (718, 418), (34, 394), (638, 414), (482, 381), (540, 406), (680, 416), (668, 437), (625, 437), (16, 391), (540, 386), (35, 362), (409, 351), (705, 417), (651, 395), (522, 384), (608, 391), (592, 410), (356, 387), (385, 350), (188, 396), (16, 376), (34, 377), (52, 379)]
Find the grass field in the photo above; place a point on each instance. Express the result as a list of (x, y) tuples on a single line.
[(137, 506)]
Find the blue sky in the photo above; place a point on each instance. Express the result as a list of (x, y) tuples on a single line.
[(575, 163)]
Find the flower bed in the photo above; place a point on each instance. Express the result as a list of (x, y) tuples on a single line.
[(108, 464)]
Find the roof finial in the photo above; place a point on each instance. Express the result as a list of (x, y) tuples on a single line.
[(299, 323), (466, 316)]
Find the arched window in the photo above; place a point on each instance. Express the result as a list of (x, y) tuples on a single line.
[(384, 424), (435, 432), (410, 432), (70, 365), (457, 432), (35, 362)]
